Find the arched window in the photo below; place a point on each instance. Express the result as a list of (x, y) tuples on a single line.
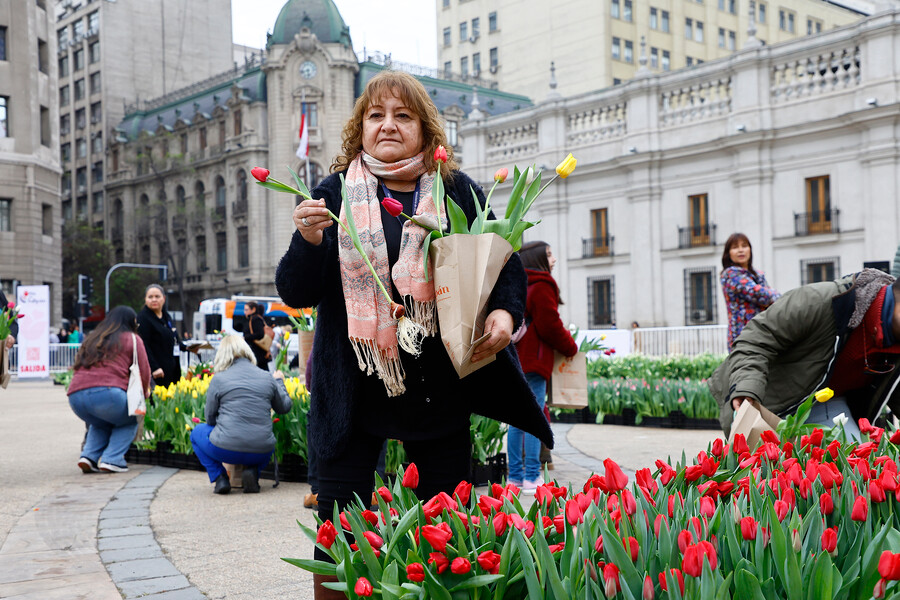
[(315, 176), (118, 217), (220, 197), (143, 215), (200, 194), (179, 198), (242, 185)]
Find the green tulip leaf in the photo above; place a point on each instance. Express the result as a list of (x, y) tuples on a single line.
[(480, 215), (459, 223), (528, 565), (304, 191), (747, 587), (319, 567), (279, 187), (475, 582)]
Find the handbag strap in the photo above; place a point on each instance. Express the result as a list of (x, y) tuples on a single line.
[(134, 352)]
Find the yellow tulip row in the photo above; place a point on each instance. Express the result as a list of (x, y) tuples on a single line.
[(198, 386)]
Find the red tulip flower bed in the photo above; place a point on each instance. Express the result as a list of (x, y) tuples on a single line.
[(807, 515)]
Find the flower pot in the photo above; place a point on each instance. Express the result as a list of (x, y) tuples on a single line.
[(291, 468), (567, 417), (678, 419), (613, 420), (492, 471), (628, 416)]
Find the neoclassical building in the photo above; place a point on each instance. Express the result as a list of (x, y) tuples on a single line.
[(179, 188), (796, 144)]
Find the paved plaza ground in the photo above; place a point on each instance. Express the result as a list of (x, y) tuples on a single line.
[(161, 534)]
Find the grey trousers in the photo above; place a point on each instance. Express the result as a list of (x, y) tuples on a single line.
[(823, 413)]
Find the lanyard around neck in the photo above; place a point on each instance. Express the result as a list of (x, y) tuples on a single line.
[(415, 206)]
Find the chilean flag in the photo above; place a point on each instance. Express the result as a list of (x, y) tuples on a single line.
[(303, 148)]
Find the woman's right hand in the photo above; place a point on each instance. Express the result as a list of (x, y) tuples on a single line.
[(311, 219), (157, 374)]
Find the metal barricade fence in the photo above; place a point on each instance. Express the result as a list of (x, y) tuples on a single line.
[(62, 357), (689, 341)]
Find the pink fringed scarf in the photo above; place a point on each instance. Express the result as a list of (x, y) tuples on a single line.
[(371, 328)]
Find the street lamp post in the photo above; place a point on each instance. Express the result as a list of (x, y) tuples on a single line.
[(164, 268)]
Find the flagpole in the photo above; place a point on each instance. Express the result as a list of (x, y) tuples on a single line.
[(303, 112)]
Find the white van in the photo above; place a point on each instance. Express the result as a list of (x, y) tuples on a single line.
[(218, 316)]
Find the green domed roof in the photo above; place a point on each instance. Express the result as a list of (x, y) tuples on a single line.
[(320, 16)]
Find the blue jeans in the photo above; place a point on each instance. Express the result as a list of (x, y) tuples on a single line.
[(110, 429), (517, 438), (212, 457)]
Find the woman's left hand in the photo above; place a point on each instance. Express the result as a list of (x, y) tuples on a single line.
[(500, 325)]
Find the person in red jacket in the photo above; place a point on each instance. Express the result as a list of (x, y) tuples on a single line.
[(544, 334)]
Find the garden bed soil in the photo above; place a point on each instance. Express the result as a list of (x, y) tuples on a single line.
[(292, 468)]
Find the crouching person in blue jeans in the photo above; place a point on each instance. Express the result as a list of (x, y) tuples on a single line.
[(238, 428)]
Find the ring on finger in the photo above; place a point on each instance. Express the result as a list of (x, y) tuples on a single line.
[(306, 222)]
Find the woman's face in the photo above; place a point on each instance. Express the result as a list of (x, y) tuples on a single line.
[(551, 260), (391, 130), (248, 310), (740, 253), (154, 299)]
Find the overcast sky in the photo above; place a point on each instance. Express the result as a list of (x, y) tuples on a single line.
[(403, 28)]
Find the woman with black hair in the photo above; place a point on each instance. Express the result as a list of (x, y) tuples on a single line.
[(747, 293), (160, 337), (256, 330), (545, 333), (97, 392)]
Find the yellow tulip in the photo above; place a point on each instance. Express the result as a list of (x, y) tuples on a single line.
[(565, 168), (193, 394), (176, 410), (188, 427), (824, 395), (287, 335)]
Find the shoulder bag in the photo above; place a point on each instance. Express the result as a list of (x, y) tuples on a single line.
[(135, 391), (268, 335)]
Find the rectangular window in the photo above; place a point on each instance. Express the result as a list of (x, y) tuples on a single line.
[(79, 90), (492, 22), (813, 26), (97, 203), (476, 27), (732, 6), (97, 172), (688, 29), (43, 58), (5, 214), (94, 22), (818, 204), (81, 180), (665, 60), (115, 160), (64, 95), (699, 301), (96, 112), (464, 66), (698, 217), (94, 50), (67, 183), (221, 135), (201, 253), (614, 9), (664, 22), (64, 66), (731, 40), (243, 247), (95, 83), (203, 138), (62, 38), (221, 252), (3, 42), (238, 125), (184, 143), (80, 148), (448, 68), (654, 18), (600, 301), (600, 240), (4, 116), (629, 51), (47, 219), (78, 57), (464, 31), (447, 35), (617, 81), (78, 29), (97, 143), (654, 58), (791, 22), (476, 64), (80, 118), (616, 48), (311, 110), (65, 152), (45, 126), (688, 61), (698, 32), (762, 13), (64, 124), (721, 38), (446, 4), (819, 269), (452, 131), (626, 13), (495, 61)]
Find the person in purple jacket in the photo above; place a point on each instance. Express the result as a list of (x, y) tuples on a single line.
[(746, 291)]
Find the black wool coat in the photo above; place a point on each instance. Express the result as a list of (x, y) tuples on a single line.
[(310, 276), (160, 339), (259, 332)]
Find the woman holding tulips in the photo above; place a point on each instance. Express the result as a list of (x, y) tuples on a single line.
[(365, 387)]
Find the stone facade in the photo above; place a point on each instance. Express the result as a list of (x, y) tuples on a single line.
[(794, 144), (30, 234), (597, 44)]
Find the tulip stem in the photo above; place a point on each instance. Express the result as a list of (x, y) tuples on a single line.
[(358, 246), (487, 204)]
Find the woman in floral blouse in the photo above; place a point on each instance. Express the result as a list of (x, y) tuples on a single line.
[(746, 291)]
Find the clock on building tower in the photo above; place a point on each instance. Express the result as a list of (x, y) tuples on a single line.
[(308, 69)]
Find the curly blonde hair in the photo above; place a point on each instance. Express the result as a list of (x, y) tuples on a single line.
[(416, 98), (230, 348)]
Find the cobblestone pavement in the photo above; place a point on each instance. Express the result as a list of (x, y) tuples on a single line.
[(161, 534)]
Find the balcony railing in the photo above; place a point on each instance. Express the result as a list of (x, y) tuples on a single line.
[(695, 237), (813, 223), (218, 213), (599, 246), (179, 222), (239, 207)]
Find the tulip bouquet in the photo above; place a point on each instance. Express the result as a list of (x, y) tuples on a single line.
[(8, 316), (804, 516)]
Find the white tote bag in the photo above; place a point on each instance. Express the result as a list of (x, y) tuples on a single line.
[(135, 392)]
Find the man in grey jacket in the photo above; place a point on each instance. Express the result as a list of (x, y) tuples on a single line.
[(238, 428), (842, 334)]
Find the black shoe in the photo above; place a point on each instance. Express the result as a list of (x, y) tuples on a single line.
[(223, 484), (250, 480)]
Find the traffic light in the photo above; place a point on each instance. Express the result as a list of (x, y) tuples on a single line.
[(88, 288)]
